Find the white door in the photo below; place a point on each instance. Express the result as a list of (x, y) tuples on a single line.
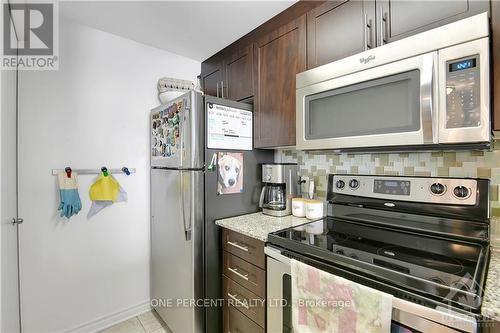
[(9, 315)]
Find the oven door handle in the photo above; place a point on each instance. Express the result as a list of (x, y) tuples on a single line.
[(276, 254), (428, 103), (441, 316)]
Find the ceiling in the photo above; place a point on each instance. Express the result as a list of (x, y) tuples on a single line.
[(194, 29)]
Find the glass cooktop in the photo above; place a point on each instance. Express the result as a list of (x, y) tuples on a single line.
[(432, 264)]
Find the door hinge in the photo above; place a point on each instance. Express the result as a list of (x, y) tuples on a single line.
[(17, 220)]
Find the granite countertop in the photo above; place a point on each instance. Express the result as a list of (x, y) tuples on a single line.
[(258, 225), (491, 297)]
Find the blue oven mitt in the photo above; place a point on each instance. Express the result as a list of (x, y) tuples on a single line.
[(68, 191)]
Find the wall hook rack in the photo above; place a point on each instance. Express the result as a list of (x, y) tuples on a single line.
[(104, 170)]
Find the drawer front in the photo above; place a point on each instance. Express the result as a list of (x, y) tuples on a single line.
[(237, 322), (248, 248), (244, 300), (244, 273)]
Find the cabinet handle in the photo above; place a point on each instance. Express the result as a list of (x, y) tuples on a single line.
[(217, 89), (367, 30), (238, 246), (235, 271), (222, 88), (383, 21), (234, 298)]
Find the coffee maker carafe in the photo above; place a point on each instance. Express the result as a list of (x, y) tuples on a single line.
[(280, 185)]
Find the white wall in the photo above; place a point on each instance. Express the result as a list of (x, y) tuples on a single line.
[(92, 112)]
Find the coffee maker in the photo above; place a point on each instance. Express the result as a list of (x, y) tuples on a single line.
[(280, 185)]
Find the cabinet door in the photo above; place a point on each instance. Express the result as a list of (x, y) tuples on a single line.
[(237, 322), (238, 84), (399, 19), (211, 78), (278, 56), (338, 29)]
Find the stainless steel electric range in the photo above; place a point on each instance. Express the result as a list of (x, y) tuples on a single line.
[(423, 240)]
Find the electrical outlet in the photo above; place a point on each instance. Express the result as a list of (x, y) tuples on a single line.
[(304, 186)]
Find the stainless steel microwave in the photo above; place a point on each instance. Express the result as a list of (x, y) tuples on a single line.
[(428, 90)]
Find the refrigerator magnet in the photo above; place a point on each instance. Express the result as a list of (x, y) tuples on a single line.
[(230, 173)]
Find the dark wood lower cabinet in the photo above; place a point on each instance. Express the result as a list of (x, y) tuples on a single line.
[(489, 326), (244, 247), (243, 284), (237, 322), (250, 304)]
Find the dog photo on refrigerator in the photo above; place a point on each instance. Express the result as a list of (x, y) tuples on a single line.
[(230, 173)]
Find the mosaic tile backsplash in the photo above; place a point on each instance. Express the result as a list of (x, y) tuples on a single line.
[(480, 164)]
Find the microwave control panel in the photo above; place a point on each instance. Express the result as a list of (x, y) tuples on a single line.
[(462, 93)]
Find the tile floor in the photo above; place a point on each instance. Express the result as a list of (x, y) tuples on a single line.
[(148, 322)]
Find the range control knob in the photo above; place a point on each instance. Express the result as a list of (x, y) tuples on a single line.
[(354, 184), (340, 251), (340, 184), (461, 192), (438, 188)]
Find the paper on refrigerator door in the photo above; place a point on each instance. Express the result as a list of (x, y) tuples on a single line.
[(230, 173), (165, 131), (229, 128)]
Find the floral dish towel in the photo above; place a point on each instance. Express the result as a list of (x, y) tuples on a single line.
[(322, 302)]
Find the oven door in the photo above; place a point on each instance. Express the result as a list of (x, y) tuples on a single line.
[(388, 105), (407, 317)]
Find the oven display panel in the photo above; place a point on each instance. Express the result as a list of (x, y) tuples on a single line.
[(395, 187)]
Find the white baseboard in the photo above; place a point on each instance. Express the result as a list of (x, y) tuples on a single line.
[(111, 319)]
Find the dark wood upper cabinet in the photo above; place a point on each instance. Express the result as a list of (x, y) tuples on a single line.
[(338, 29), (229, 77), (238, 83), (399, 19), (278, 57), (211, 78)]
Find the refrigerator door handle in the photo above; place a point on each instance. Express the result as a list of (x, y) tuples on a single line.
[(181, 135), (187, 226)]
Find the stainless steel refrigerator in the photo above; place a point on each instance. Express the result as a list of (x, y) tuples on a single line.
[(185, 242)]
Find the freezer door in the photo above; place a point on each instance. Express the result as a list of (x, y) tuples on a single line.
[(176, 247), (177, 133)]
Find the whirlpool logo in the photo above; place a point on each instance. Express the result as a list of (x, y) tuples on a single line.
[(367, 59)]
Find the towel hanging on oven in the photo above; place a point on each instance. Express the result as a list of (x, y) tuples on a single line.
[(323, 302)]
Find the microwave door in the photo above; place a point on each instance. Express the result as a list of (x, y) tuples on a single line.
[(464, 109), (388, 105)]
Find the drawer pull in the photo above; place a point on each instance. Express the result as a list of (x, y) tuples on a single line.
[(235, 271), (238, 246), (234, 298)]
